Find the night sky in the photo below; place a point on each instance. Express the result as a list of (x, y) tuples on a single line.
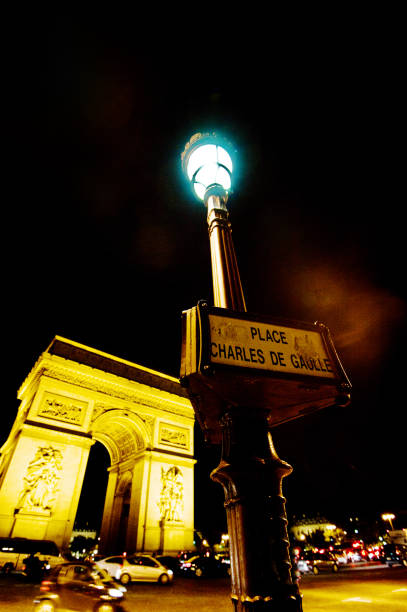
[(109, 245)]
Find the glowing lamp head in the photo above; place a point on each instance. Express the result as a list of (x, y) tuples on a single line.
[(207, 164)]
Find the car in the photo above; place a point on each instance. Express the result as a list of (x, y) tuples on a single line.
[(224, 560), (355, 556), (15, 551), (93, 558), (394, 554), (183, 555), (170, 562), (79, 586), (316, 562), (203, 566), (340, 557), (140, 568)]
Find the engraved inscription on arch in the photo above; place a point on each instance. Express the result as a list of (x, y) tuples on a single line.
[(173, 436), (61, 408)]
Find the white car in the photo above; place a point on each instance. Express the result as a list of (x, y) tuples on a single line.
[(141, 568)]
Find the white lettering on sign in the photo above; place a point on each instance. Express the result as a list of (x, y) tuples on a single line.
[(268, 347)]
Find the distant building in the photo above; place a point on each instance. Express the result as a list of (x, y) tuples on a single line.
[(398, 536), (85, 533), (306, 526)]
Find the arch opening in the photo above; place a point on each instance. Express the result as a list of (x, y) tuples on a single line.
[(92, 499)]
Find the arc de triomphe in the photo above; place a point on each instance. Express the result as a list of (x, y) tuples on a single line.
[(73, 396)]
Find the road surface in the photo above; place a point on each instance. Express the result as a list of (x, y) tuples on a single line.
[(376, 589)]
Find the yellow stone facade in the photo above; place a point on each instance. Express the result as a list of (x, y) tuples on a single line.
[(73, 396)]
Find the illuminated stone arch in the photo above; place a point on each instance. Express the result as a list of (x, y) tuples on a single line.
[(74, 396), (122, 432)]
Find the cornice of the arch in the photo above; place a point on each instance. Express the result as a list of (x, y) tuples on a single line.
[(109, 384)]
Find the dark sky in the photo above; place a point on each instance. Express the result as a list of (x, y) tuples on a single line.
[(109, 245)]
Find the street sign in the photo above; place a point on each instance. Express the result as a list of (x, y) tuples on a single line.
[(285, 367), (267, 346)]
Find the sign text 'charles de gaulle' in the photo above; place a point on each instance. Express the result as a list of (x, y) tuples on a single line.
[(287, 367), (265, 346)]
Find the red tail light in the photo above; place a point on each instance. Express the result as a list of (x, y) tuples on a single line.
[(45, 585)]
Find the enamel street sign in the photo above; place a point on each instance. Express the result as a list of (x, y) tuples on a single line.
[(287, 368), (277, 348)]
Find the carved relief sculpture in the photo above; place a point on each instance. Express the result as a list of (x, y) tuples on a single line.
[(172, 494), (41, 480)]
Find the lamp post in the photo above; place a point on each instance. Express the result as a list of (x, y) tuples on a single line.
[(390, 518), (208, 165), (250, 470)]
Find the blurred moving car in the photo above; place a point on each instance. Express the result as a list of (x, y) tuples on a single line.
[(340, 556), (92, 558), (141, 568), (203, 566), (316, 562), (394, 555), (79, 586)]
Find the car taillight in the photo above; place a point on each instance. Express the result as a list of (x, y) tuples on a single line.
[(45, 585), (187, 564)]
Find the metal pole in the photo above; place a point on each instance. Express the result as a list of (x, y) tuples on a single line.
[(250, 470), (227, 287)]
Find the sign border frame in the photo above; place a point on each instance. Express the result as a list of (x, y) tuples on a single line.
[(206, 366)]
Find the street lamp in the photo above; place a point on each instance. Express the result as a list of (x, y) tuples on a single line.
[(250, 470), (208, 162), (390, 518)]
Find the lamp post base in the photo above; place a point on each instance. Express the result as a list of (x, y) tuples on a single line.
[(251, 474), (288, 603)]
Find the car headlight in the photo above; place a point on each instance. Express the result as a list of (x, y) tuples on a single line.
[(170, 572), (115, 593)]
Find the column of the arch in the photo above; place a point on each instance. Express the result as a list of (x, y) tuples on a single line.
[(172, 535), (106, 541), (143, 493), (135, 527), (115, 524), (53, 521)]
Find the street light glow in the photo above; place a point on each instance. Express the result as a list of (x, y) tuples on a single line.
[(389, 517), (207, 164)]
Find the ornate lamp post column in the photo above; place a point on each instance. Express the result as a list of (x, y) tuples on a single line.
[(250, 470)]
